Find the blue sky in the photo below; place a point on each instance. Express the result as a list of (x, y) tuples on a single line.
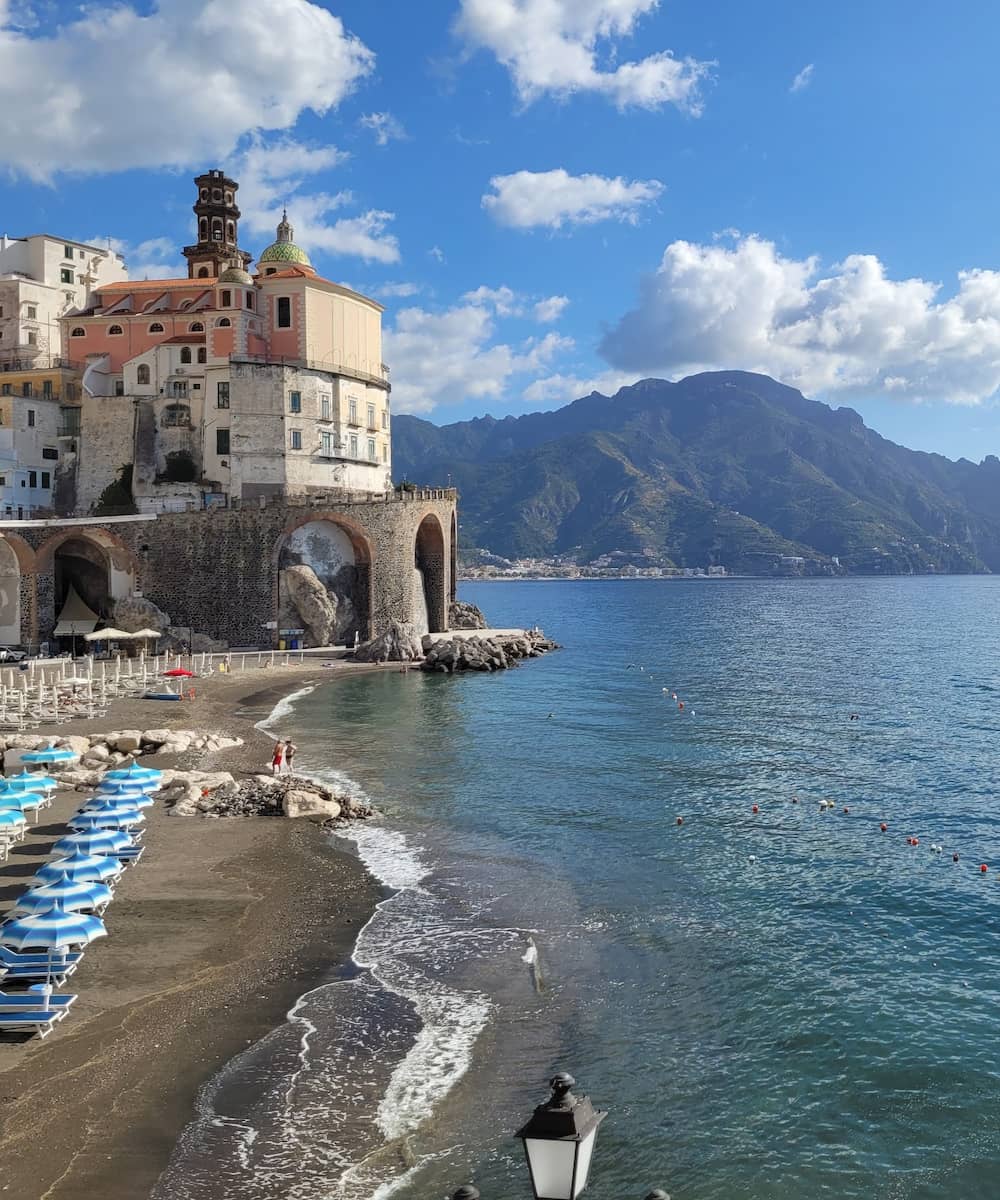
[(543, 199)]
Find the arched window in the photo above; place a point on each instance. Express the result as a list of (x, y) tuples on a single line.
[(230, 231), (204, 193), (271, 271), (229, 197), (217, 229), (203, 272), (196, 327), (186, 354), (114, 330), (227, 298), (202, 354), (203, 229), (156, 327), (223, 323), (249, 299), (142, 373), (78, 331)]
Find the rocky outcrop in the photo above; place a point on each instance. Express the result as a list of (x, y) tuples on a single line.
[(495, 653), (192, 793), (105, 750), (466, 616), (399, 643), (133, 613), (303, 590)]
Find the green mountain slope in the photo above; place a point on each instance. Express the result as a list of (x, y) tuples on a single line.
[(722, 467)]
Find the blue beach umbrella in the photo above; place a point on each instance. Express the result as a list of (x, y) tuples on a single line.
[(78, 866), (26, 782), (22, 802), (128, 796), (134, 774), (53, 754), (140, 787), (92, 820), (108, 842), (55, 930), (106, 804), (12, 821), (67, 894)]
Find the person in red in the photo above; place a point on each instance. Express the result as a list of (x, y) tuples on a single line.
[(277, 757)]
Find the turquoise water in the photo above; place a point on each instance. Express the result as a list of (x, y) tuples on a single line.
[(771, 1006)]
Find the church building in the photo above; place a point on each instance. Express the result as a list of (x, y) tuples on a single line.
[(230, 385)]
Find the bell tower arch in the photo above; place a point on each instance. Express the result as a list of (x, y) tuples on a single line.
[(217, 224)]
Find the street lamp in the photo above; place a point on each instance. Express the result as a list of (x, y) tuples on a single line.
[(559, 1142)]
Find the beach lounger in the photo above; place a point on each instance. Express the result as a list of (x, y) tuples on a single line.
[(20, 1001), (38, 973), (132, 855), (41, 1021), (16, 958)]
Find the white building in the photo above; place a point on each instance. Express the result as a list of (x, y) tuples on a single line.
[(41, 278)]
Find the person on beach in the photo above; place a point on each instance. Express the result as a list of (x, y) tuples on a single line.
[(290, 749), (277, 757)]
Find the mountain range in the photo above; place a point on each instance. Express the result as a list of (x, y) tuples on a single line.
[(724, 467)]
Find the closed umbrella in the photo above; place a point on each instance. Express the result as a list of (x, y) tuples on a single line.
[(98, 841), (178, 673), (54, 754), (67, 894), (78, 866)]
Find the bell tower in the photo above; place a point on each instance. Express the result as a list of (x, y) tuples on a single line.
[(218, 227)]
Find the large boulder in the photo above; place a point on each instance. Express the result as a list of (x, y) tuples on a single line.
[(304, 591), (299, 803), (466, 616), (399, 643), (133, 613)]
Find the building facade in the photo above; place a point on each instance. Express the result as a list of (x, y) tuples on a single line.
[(227, 387)]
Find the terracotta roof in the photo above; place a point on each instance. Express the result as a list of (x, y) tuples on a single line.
[(164, 285), (289, 272), (182, 337)]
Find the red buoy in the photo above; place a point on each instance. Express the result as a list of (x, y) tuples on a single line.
[(983, 868), (954, 858), (916, 841), (680, 820), (755, 809), (883, 827), (846, 809)]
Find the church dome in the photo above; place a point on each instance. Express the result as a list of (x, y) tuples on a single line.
[(284, 250), (236, 273)]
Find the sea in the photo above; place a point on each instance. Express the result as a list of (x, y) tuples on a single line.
[(655, 859)]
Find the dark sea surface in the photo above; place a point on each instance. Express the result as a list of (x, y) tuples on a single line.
[(774, 1006)]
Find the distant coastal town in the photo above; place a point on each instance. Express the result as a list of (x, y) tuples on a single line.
[(481, 565)]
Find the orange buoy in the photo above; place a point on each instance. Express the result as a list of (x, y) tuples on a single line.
[(916, 841), (755, 809), (884, 827)]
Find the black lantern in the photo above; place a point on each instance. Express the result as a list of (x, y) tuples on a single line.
[(559, 1142)]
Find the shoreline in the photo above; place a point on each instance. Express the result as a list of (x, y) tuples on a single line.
[(213, 938)]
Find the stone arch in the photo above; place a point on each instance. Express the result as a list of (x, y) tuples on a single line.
[(10, 595), (323, 579), (430, 588), (96, 564)]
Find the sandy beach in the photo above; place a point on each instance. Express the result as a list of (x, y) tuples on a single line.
[(212, 938)]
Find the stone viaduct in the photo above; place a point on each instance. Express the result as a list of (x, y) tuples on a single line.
[(217, 572)]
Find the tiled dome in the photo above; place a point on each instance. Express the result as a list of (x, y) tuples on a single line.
[(284, 250)]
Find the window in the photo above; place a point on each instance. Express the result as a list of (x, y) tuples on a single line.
[(295, 402), (178, 389), (352, 411), (203, 229), (371, 416), (354, 445), (385, 454), (185, 354), (202, 354), (3, 483), (32, 313), (222, 394), (227, 298), (229, 197), (5, 389), (47, 389), (156, 327), (231, 231), (371, 450), (80, 254), (271, 271), (284, 312), (222, 441), (32, 479), (296, 439), (175, 416), (67, 251), (26, 390), (78, 331), (114, 331), (326, 445), (142, 374), (203, 272), (324, 406), (216, 193), (66, 275), (50, 452), (249, 299), (46, 479), (196, 327), (119, 387), (224, 323), (1, 310), (385, 418), (204, 193), (32, 338)]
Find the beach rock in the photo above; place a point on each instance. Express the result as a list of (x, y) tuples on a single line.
[(297, 803), (155, 737), (495, 653), (465, 616), (399, 643), (129, 742), (317, 609), (77, 743), (133, 613)]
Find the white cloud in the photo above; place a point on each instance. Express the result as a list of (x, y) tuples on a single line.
[(384, 126), (550, 309), (803, 79), (551, 199), (503, 301), (437, 254), (155, 258), (557, 47), (393, 291), (272, 176), (848, 329), (563, 388), (441, 358), (114, 89)]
